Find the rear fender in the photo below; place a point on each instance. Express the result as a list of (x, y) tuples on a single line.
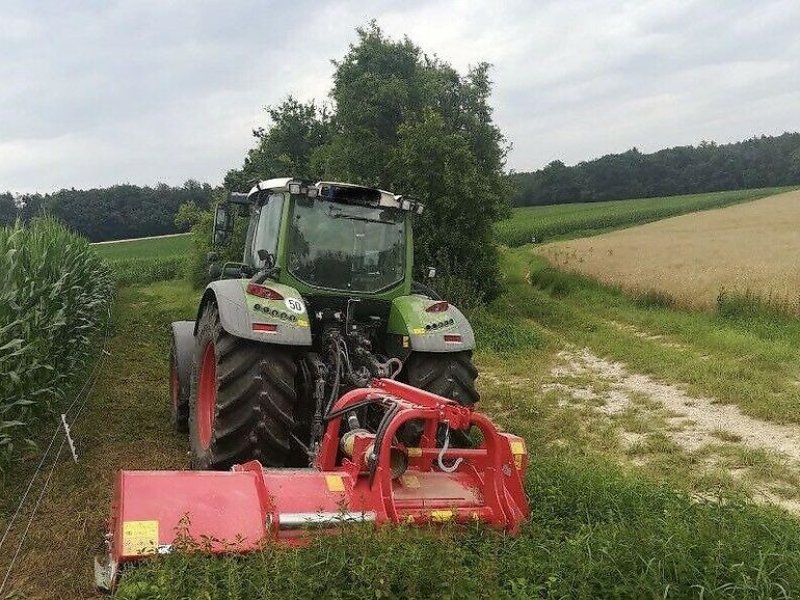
[(284, 322), (419, 330)]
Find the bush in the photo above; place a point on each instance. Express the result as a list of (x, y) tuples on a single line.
[(55, 294), (202, 224)]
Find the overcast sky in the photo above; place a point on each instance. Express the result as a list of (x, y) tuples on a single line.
[(94, 93)]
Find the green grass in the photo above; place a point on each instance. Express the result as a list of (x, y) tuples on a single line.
[(147, 248), (751, 361), (598, 528), (549, 223), (148, 260), (148, 269)]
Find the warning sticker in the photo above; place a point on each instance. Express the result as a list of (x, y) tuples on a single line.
[(519, 451), (518, 447), (139, 537), (439, 516), (335, 483), (410, 481)]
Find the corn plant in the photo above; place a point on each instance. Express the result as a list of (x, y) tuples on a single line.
[(55, 295)]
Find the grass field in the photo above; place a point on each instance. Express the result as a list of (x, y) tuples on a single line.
[(549, 223), (665, 459), (746, 250), (147, 260), (622, 504), (159, 247)]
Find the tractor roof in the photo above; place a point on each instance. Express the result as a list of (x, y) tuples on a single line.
[(337, 192)]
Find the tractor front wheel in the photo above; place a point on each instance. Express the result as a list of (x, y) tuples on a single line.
[(242, 399)]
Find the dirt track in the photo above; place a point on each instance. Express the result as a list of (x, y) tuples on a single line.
[(695, 424)]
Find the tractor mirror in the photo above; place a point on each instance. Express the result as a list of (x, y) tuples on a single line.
[(223, 225)]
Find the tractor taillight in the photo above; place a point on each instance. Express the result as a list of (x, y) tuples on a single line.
[(452, 338), (265, 327), (438, 307), (262, 291)]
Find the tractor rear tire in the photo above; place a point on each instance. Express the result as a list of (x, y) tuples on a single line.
[(243, 399), (448, 374)]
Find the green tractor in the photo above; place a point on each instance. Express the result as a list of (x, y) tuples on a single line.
[(322, 302)]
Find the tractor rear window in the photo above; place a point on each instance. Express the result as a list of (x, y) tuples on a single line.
[(346, 247)]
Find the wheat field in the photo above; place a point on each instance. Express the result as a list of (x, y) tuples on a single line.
[(751, 248)]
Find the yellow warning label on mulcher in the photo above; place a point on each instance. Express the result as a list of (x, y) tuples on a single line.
[(335, 483), (139, 537)]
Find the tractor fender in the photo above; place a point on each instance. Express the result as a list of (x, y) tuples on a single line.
[(284, 322), (443, 331), (183, 342)]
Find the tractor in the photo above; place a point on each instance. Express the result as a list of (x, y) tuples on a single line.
[(322, 302), (319, 385)]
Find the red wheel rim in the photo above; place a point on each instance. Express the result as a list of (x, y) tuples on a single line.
[(207, 395), (174, 384)]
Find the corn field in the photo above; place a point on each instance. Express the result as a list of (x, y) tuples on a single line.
[(535, 224), (55, 295)]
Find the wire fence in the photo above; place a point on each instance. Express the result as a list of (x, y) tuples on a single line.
[(78, 403)]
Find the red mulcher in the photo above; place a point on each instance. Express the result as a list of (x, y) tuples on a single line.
[(357, 477)]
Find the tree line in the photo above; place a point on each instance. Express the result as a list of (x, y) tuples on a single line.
[(764, 161), (112, 213)]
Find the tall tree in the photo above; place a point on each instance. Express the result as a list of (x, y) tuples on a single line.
[(285, 148), (8, 209), (412, 124)]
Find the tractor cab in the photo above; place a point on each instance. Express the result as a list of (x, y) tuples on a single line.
[(326, 238)]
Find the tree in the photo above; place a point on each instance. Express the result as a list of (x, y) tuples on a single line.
[(758, 162), (284, 149), (8, 209), (412, 124)]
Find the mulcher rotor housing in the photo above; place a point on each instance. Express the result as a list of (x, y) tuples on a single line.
[(318, 385)]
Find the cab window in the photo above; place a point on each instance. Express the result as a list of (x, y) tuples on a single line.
[(269, 224)]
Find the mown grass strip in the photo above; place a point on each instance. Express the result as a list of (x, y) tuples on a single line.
[(157, 247)]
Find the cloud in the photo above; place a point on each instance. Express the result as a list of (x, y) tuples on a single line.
[(95, 93)]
